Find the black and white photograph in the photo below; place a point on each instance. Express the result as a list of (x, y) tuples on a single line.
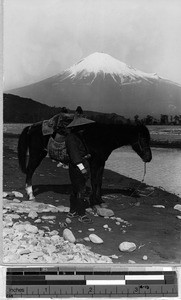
[(91, 132)]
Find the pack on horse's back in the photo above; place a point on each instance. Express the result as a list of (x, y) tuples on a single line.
[(57, 149)]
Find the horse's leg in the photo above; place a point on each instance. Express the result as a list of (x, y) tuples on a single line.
[(97, 169), (33, 163), (99, 184)]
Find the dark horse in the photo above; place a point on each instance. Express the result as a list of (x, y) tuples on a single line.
[(108, 133)]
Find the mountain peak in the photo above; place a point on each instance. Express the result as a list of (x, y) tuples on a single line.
[(100, 63)]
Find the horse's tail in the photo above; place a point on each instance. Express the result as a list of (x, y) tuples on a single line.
[(23, 149)]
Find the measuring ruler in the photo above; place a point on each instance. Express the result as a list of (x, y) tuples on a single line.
[(88, 282)]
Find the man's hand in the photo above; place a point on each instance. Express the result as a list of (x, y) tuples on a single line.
[(83, 170)]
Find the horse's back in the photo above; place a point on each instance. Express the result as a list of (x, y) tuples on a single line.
[(108, 118)]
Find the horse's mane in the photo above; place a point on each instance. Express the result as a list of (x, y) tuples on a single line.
[(105, 122)]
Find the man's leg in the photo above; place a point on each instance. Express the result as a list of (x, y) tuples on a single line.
[(78, 183), (73, 203), (82, 201), (79, 200)]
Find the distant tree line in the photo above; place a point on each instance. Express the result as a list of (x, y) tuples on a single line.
[(22, 110), (163, 120)]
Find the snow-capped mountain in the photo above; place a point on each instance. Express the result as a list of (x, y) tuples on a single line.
[(101, 64), (102, 83)]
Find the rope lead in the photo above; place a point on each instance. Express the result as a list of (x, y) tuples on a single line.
[(144, 174)]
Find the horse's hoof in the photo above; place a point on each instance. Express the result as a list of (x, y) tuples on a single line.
[(31, 198)]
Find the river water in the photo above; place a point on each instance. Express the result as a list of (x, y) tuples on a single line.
[(163, 171)]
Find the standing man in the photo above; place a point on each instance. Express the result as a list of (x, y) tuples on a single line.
[(79, 171)]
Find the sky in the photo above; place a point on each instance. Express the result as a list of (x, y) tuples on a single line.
[(44, 37)]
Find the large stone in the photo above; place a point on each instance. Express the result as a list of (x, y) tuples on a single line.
[(31, 228), (106, 226), (19, 227), (66, 209), (178, 207), (95, 239), (48, 217), (121, 220), (32, 214), (13, 216), (68, 235), (54, 210), (127, 247), (37, 221), (61, 208), (17, 194), (91, 229), (104, 212), (54, 232), (55, 238), (16, 200), (68, 221)]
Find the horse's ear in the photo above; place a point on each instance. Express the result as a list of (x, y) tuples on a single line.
[(79, 110)]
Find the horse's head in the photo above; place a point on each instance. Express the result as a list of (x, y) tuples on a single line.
[(141, 143)]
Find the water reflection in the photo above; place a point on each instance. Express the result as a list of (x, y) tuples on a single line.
[(163, 171)]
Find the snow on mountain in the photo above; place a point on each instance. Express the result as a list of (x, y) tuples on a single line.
[(102, 83), (104, 64)]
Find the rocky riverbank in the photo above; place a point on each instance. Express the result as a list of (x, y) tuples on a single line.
[(144, 216)]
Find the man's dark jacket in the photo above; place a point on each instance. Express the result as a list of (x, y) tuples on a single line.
[(76, 149)]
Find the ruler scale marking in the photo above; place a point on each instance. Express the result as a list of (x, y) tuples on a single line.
[(71, 282)]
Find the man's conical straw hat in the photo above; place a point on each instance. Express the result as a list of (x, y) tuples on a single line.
[(79, 121)]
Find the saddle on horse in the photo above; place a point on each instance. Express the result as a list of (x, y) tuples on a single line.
[(56, 122)]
